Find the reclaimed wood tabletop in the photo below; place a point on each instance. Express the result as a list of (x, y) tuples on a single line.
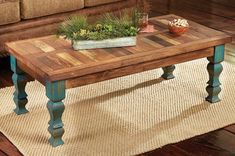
[(53, 62), (52, 58)]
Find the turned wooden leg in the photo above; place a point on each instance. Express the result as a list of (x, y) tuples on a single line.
[(19, 80), (214, 69), (168, 72), (55, 91)]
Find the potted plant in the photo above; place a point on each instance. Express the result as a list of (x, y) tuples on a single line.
[(109, 31)]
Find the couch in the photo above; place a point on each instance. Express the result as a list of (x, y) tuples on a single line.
[(22, 19)]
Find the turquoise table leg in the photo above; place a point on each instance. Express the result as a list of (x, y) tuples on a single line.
[(168, 72), (19, 80), (55, 91), (214, 69)]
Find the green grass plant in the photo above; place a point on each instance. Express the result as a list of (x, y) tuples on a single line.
[(109, 26)]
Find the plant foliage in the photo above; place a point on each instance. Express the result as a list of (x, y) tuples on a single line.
[(108, 27)]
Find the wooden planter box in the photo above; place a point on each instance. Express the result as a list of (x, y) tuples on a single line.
[(109, 43)]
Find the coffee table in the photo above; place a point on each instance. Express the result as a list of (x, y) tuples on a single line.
[(52, 62)]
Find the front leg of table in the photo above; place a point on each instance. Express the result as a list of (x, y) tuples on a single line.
[(19, 80), (168, 72), (214, 69), (55, 91)]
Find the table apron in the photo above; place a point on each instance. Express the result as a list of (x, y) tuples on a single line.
[(136, 68)]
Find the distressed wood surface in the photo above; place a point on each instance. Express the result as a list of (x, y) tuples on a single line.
[(109, 74), (53, 59)]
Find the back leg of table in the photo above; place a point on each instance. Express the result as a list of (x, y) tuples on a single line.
[(19, 80), (168, 72)]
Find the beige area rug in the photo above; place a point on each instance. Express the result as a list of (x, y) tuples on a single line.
[(124, 116)]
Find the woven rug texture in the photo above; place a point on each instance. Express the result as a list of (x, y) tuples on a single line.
[(124, 116)]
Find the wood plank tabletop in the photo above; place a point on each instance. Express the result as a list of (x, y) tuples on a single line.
[(51, 58)]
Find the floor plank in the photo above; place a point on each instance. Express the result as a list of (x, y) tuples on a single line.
[(209, 144), (7, 148), (231, 128), (169, 150)]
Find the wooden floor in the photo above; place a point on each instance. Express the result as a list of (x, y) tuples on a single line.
[(217, 14)]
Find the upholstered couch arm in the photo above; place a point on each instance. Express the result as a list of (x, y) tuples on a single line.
[(9, 11)]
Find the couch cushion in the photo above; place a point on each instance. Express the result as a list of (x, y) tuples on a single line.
[(89, 3), (9, 11), (38, 8)]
